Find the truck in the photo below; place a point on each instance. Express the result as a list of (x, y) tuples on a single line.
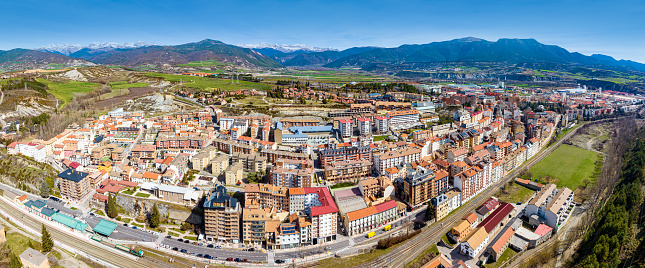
[(371, 234), (387, 227), (138, 253)]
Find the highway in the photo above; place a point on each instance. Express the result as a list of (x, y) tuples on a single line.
[(86, 246), (410, 249)]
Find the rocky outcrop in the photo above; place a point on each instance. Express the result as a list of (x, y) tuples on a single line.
[(141, 207)]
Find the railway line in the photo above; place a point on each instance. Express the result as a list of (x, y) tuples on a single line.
[(77, 243), (410, 249)]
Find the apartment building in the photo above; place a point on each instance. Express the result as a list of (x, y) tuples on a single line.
[(323, 213), (446, 203), (403, 117), (551, 205), (382, 124), (368, 218), (250, 162), (182, 142), (233, 174), (273, 155), (370, 188), (346, 128), (347, 171), (254, 225), (219, 164), (292, 173), (267, 196), (143, 152), (364, 126), (390, 159), (74, 185), (33, 150), (420, 185), (230, 147), (222, 214), (342, 154)]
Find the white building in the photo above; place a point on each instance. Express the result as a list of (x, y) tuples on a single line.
[(386, 160), (475, 242), (551, 204), (345, 127), (365, 126), (403, 117), (382, 124), (33, 150)]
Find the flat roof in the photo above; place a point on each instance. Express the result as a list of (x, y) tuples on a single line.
[(105, 227), (69, 221)]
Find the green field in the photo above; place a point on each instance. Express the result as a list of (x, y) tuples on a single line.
[(123, 84), (508, 253), (144, 195), (204, 63), (380, 138), (514, 193), (65, 91), (569, 165), (210, 83), (327, 76)]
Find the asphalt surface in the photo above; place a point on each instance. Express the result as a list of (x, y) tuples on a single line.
[(87, 246), (51, 203), (124, 233)]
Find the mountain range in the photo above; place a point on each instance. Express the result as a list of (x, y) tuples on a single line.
[(505, 51)]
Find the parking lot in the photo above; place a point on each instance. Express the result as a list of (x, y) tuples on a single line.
[(124, 233), (221, 254)]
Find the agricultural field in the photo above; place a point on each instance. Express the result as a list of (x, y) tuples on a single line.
[(513, 193), (65, 91), (205, 63), (205, 83), (325, 76), (568, 166)]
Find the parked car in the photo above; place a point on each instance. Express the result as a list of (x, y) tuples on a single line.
[(237, 260), (175, 249), (168, 236), (125, 224), (200, 255), (92, 214), (207, 256), (201, 244), (194, 243), (252, 249), (279, 261), (229, 259), (218, 247), (134, 227), (210, 246), (245, 260), (180, 240), (192, 253), (183, 250), (186, 241)]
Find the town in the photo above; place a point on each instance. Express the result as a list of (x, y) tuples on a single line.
[(297, 189)]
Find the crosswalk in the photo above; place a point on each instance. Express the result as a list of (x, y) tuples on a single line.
[(351, 242), (270, 257)]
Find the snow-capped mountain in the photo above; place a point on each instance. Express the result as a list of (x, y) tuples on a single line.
[(67, 49), (286, 48)]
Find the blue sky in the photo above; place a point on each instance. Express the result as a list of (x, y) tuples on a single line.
[(615, 28)]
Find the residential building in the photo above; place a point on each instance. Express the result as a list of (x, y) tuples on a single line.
[(233, 174), (368, 218), (250, 162), (254, 225), (267, 196), (370, 188), (364, 126), (292, 173), (345, 128), (219, 164), (347, 170), (222, 214), (395, 158), (474, 243), (342, 154), (552, 205), (74, 185), (31, 258), (420, 185), (382, 124)]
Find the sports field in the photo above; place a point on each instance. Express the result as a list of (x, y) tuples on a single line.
[(569, 165)]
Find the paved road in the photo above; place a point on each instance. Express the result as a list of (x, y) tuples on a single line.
[(124, 233), (405, 253), (86, 246), (56, 205), (222, 254)]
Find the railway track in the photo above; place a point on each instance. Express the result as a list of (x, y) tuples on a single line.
[(77, 243), (410, 249)]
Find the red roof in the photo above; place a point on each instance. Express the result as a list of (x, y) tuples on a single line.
[(345, 121), (325, 198), (385, 206), (542, 230), (496, 217), (100, 197), (74, 165)]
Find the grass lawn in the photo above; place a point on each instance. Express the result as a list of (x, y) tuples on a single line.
[(126, 220), (569, 165), (65, 91), (210, 83), (73, 208), (123, 84), (100, 212), (447, 240), (432, 248), (514, 193), (173, 234), (193, 238), (352, 261), (144, 195), (380, 138), (18, 243), (178, 230), (137, 225), (128, 192), (508, 253)]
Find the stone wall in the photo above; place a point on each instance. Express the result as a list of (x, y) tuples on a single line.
[(140, 207)]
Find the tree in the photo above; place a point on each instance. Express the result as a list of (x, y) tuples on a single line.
[(430, 212), (111, 207), (154, 217), (185, 226), (15, 261), (44, 189), (46, 239)]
